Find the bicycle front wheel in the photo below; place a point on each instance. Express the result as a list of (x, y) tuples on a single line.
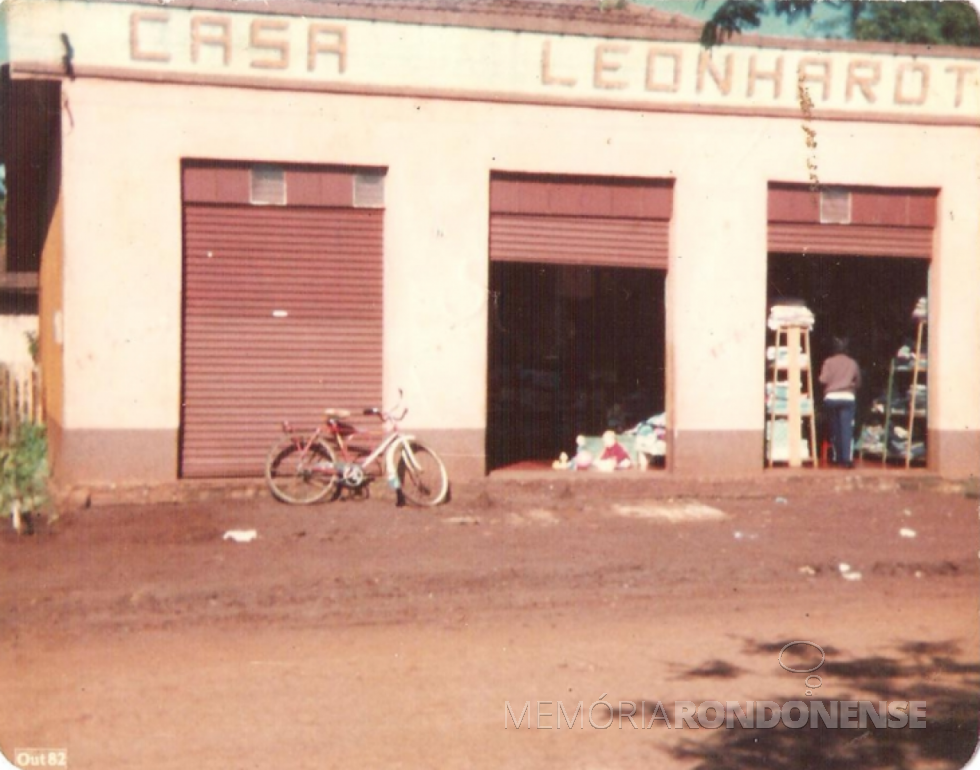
[(422, 475), (299, 475)]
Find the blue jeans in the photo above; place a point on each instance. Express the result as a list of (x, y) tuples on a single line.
[(841, 418)]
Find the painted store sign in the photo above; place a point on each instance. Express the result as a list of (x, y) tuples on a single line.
[(252, 49)]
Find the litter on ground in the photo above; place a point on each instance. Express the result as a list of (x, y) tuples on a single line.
[(847, 573), (240, 535)]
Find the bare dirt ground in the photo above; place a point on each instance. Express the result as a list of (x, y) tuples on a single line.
[(361, 634)]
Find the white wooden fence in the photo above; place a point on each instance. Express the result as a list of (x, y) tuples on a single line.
[(20, 398)]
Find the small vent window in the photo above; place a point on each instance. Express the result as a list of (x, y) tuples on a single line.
[(268, 186), (369, 190), (835, 207)]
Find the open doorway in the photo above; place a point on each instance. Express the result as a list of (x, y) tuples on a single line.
[(30, 160), (870, 301), (573, 350)]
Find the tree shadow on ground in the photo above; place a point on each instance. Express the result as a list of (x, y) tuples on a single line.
[(713, 669), (932, 672)]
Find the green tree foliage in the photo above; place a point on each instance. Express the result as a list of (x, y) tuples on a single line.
[(930, 23), (950, 22), (736, 16)]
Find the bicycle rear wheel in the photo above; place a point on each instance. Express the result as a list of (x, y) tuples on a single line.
[(422, 475), (299, 476)]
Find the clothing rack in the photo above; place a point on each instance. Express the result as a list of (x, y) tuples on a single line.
[(897, 372), (917, 369), (795, 376)]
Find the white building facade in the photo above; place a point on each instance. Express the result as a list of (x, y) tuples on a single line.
[(521, 219)]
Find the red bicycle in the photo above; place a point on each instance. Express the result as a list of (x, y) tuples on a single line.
[(306, 467)]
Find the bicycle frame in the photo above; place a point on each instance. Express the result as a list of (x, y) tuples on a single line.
[(336, 455), (387, 448), (353, 472)]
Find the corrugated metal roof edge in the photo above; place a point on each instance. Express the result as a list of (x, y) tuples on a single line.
[(579, 17), (567, 17)]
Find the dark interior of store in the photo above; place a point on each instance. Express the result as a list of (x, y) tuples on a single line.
[(573, 350), (868, 300), (30, 142)]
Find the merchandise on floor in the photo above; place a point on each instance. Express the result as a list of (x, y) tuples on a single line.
[(643, 445)]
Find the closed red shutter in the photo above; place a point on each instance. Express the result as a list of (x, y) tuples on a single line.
[(282, 318), (580, 221)]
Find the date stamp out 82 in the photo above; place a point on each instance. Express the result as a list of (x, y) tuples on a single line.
[(40, 758)]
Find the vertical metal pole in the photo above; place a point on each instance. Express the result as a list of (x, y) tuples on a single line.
[(771, 440), (808, 362), (912, 393), (794, 424)]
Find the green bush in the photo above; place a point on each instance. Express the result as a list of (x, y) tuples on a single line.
[(33, 346), (24, 470)]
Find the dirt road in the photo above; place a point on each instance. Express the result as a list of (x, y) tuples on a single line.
[(358, 633)]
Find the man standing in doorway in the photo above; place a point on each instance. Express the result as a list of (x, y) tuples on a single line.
[(841, 377)]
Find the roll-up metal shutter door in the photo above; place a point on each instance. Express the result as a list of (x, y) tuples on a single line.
[(282, 318), (579, 241), (867, 222), (866, 241), (580, 221)]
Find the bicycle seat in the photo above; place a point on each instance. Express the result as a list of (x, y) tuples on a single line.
[(371, 410), (341, 413), (340, 428)]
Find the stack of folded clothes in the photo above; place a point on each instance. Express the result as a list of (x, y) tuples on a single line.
[(777, 438), (777, 399), (781, 357), (872, 440), (919, 396), (905, 359), (921, 309), (790, 315), (651, 437), (898, 444)]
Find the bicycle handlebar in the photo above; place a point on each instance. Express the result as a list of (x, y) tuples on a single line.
[(390, 414), (371, 411), (387, 415)]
